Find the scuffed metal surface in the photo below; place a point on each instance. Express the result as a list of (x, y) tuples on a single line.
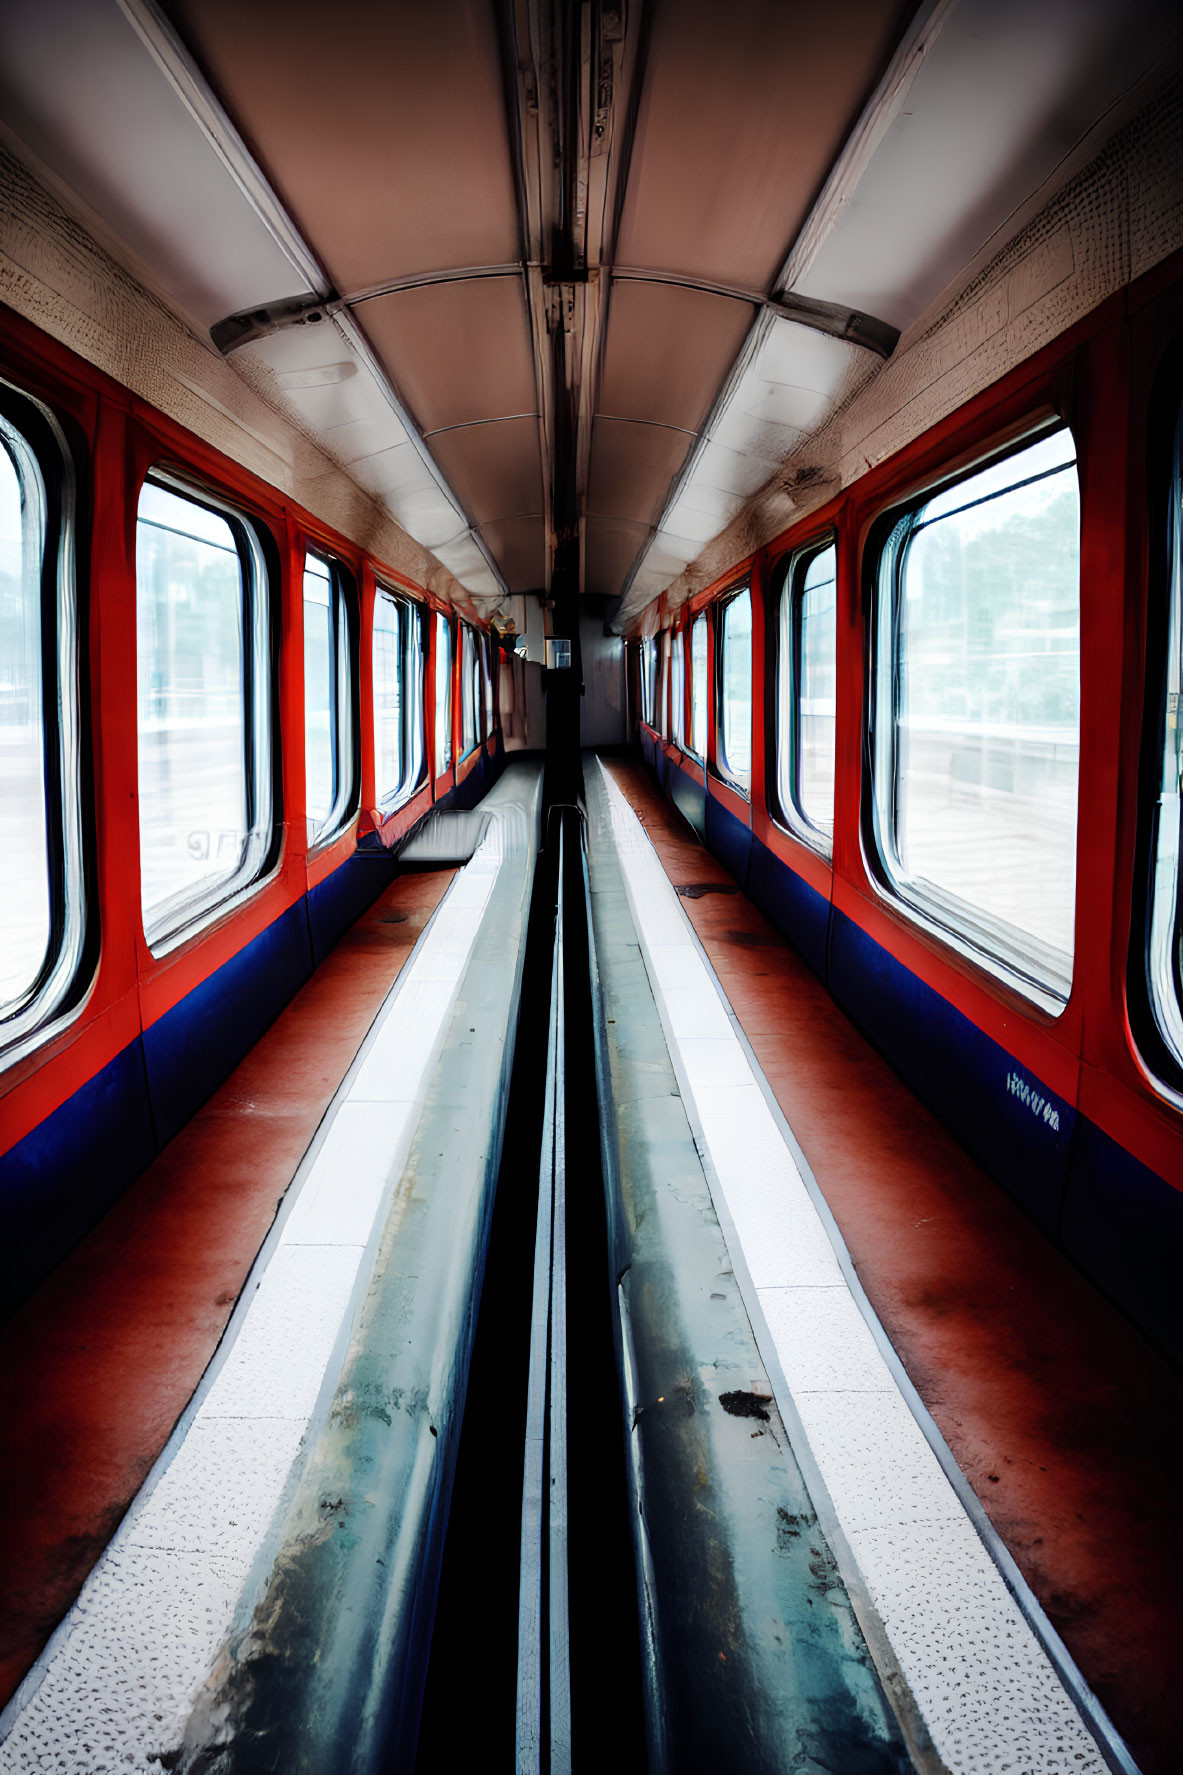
[(325, 1672), (756, 1659)]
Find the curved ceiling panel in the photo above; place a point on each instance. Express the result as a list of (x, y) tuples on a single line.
[(744, 109), (463, 557), (667, 350), (457, 352), (611, 548), (382, 126), (519, 549), (494, 469), (392, 471), (318, 371), (632, 467)]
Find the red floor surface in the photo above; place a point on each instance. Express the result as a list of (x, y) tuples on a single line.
[(98, 1365), (1066, 1422)]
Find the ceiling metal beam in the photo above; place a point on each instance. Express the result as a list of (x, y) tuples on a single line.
[(824, 317), (850, 324), (570, 80), (299, 311)]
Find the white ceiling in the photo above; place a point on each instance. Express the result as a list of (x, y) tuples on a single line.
[(1007, 90)]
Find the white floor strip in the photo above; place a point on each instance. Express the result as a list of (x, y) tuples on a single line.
[(990, 1695), (114, 1686)]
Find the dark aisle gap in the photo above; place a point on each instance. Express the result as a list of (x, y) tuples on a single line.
[(607, 1704), (468, 1716)]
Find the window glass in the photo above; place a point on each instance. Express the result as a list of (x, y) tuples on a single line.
[(978, 661), (807, 695), (42, 883), (414, 695), (470, 689), (398, 696), (204, 777), (817, 698), (319, 650), (443, 694), (735, 702), (328, 700), (648, 662), (662, 713), (491, 658), (390, 619), (698, 686), (1165, 957), (25, 879), (678, 686)]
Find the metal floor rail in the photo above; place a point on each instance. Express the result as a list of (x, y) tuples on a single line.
[(544, 1672)]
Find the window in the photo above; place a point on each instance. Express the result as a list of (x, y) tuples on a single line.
[(698, 686), (42, 893), (443, 694), (329, 772), (662, 713), (204, 707), (735, 689), (398, 697), (471, 690), (977, 694), (678, 686), (1165, 953), (490, 656), (648, 665), (806, 702)]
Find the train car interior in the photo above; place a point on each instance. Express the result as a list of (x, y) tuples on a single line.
[(591, 886)]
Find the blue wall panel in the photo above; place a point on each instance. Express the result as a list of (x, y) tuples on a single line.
[(472, 789), (1124, 1225), (1007, 1118), (64, 1175), (798, 911), (193, 1047), (1120, 1221), (729, 839), (689, 797), (340, 899)]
